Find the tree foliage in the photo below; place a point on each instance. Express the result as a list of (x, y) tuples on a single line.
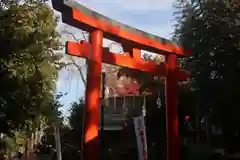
[(211, 30), (70, 135), (76, 121), (28, 38)]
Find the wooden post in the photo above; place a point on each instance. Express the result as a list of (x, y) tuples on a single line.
[(93, 87), (102, 114), (173, 141), (57, 142)]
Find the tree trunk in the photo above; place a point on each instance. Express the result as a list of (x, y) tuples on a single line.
[(58, 143), (197, 125), (26, 150), (208, 132)]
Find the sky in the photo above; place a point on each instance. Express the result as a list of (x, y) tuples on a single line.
[(153, 16)]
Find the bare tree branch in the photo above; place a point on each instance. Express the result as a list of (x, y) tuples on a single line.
[(71, 34), (73, 62), (79, 68)]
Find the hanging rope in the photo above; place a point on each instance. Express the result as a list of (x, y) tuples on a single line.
[(114, 104), (133, 102), (144, 106), (159, 102), (123, 105), (125, 111)]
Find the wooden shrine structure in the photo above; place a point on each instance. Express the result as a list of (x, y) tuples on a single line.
[(133, 41)]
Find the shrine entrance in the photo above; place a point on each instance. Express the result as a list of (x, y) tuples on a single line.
[(132, 41)]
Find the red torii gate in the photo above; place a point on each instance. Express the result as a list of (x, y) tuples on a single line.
[(132, 40)]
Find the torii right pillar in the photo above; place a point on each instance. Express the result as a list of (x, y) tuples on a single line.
[(172, 127)]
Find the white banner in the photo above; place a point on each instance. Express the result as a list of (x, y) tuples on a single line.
[(140, 131)]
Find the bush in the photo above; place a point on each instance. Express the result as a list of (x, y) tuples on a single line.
[(191, 152)]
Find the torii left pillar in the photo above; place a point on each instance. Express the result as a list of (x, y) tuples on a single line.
[(91, 141)]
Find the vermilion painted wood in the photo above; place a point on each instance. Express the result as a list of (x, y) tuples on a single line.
[(76, 14), (83, 50), (91, 119), (83, 18), (124, 34), (173, 141)]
